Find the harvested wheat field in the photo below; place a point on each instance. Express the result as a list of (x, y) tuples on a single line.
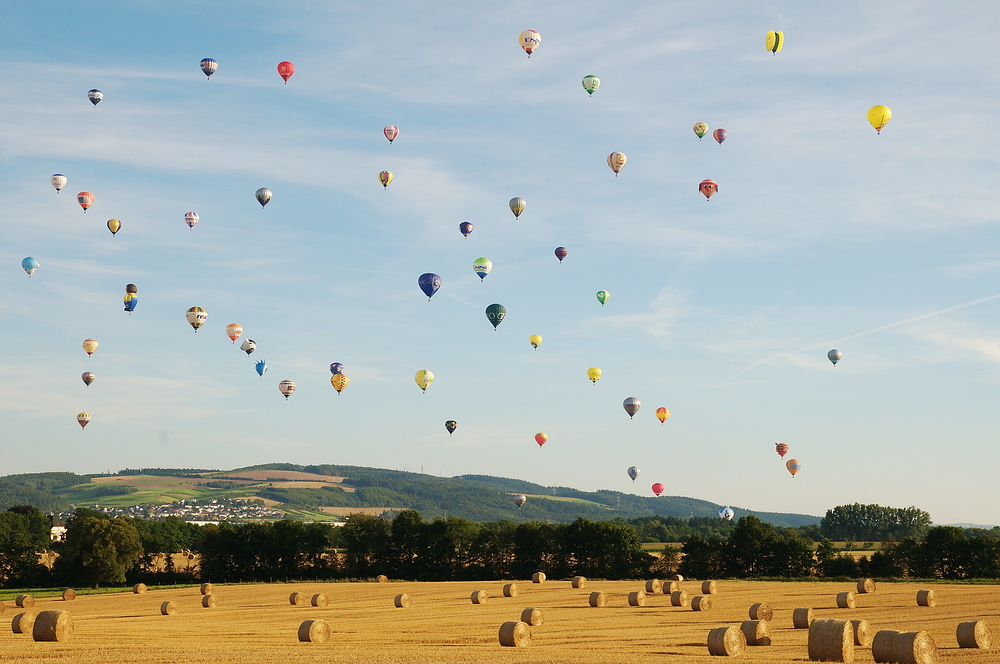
[(256, 623)]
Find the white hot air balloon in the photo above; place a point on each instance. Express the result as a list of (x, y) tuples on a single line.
[(633, 472), (835, 356), (286, 387), (58, 181)]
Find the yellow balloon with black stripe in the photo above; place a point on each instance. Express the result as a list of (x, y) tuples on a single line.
[(775, 40)]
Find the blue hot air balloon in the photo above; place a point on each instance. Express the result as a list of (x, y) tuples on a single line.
[(261, 367), (95, 96), (336, 368), (209, 66), (30, 264), (429, 283), (465, 227)]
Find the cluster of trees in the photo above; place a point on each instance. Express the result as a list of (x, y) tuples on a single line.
[(874, 523)]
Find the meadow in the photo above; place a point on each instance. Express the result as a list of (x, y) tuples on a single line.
[(256, 623)]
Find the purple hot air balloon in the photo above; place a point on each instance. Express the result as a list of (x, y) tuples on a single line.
[(465, 227), (429, 283), (561, 253), (720, 135)]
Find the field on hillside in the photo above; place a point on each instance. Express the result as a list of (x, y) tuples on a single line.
[(256, 623)]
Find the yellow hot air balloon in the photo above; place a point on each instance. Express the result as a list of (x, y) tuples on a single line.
[(775, 40), (535, 340), (879, 117), (83, 419), (90, 345), (385, 177), (424, 378), (339, 382), (114, 226), (594, 374)]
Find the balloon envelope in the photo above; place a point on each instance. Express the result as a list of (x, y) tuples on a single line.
[(774, 40), (517, 205), (424, 378), (191, 218), (248, 346), (658, 488), (603, 296), (83, 419), (727, 513), (30, 264), (594, 374), (465, 227), (90, 345), (234, 331), (58, 181), (633, 472), (561, 253), (286, 387), (495, 314), (616, 160), (529, 41), (85, 199), (114, 226), (391, 132), (700, 129), (429, 283), (793, 466), (662, 414), (591, 83), (385, 177), (285, 70), (88, 378), (631, 406), (263, 196), (451, 425), (130, 302), (540, 438), (339, 382), (209, 66), (535, 340), (720, 135), (781, 449), (520, 499), (879, 116), (835, 356), (95, 96), (482, 267), (708, 187), (196, 317), (261, 367), (336, 368)]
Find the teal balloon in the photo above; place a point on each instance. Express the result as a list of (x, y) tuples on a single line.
[(495, 314), (603, 296)]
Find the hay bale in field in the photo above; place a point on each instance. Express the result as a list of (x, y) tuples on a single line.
[(510, 590), (701, 603), (801, 618), (22, 623), (761, 611), (866, 586), (68, 595), (669, 587), (637, 598), (532, 617), (139, 588), (756, 632), (538, 577), (207, 588), (679, 598), (677, 577), (974, 634), (926, 598), (882, 645), (709, 587), (209, 601), (381, 578), (169, 608), (319, 599), (654, 586), (726, 642), (515, 634), (579, 582), (53, 626), (845, 600), (862, 633), (598, 599), (297, 599), (831, 640), (914, 648), (401, 601), (24, 601), (479, 597), (314, 631)]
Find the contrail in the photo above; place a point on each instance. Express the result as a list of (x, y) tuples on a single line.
[(859, 334)]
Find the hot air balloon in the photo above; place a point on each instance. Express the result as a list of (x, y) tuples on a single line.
[(196, 317), (495, 314), (95, 96), (540, 438), (603, 296), (535, 340), (658, 488), (700, 129), (285, 70), (385, 177), (83, 419), (209, 66), (114, 226), (774, 41), (451, 425), (58, 181), (879, 117), (591, 83), (482, 267), (233, 331), (261, 367), (191, 218), (263, 196), (248, 346), (90, 345), (30, 265), (85, 199), (781, 449), (286, 387), (465, 227), (391, 132), (424, 378), (517, 205), (87, 378), (793, 466), (834, 356), (429, 283), (708, 187), (336, 368), (529, 41), (594, 374), (339, 382), (720, 135), (631, 406), (633, 472), (561, 253), (616, 160), (520, 499), (662, 414), (727, 513), (131, 298)]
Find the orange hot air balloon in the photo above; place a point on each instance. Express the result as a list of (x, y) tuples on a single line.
[(85, 199), (781, 449), (540, 438), (793, 466), (662, 414), (658, 488), (708, 187), (285, 70), (83, 419), (234, 331), (339, 382)]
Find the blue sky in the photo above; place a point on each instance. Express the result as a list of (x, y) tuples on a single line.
[(822, 234)]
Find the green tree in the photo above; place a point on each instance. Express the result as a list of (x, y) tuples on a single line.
[(367, 545), (24, 531), (99, 549), (874, 523)]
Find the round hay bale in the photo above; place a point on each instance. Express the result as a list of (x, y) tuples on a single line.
[(579, 582), (169, 608), (831, 640), (319, 599), (381, 578), (654, 586), (22, 623), (532, 617), (709, 587), (701, 603), (926, 598), (297, 599), (845, 600), (68, 595), (53, 626), (882, 649), (314, 631), (515, 634), (801, 618), (756, 632), (479, 597), (637, 598), (24, 601), (866, 586), (863, 633), (209, 601), (974, 634), (538, 577), (761, 611), (679, 598), (510, 590), (677, 577), (598, 599), (726, 642), (206, 588), (139, 588), (914, 648), (669, 587), (402, 601)]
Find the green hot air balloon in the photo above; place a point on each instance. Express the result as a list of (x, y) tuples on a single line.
[(603, 296), (495, 314), (591, 83)]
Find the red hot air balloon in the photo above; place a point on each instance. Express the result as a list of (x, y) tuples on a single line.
[(561, 253), (781, 449), (540, 438), (708, 187), (85, 199), (658, 488), (391, 132), (285, 70)]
